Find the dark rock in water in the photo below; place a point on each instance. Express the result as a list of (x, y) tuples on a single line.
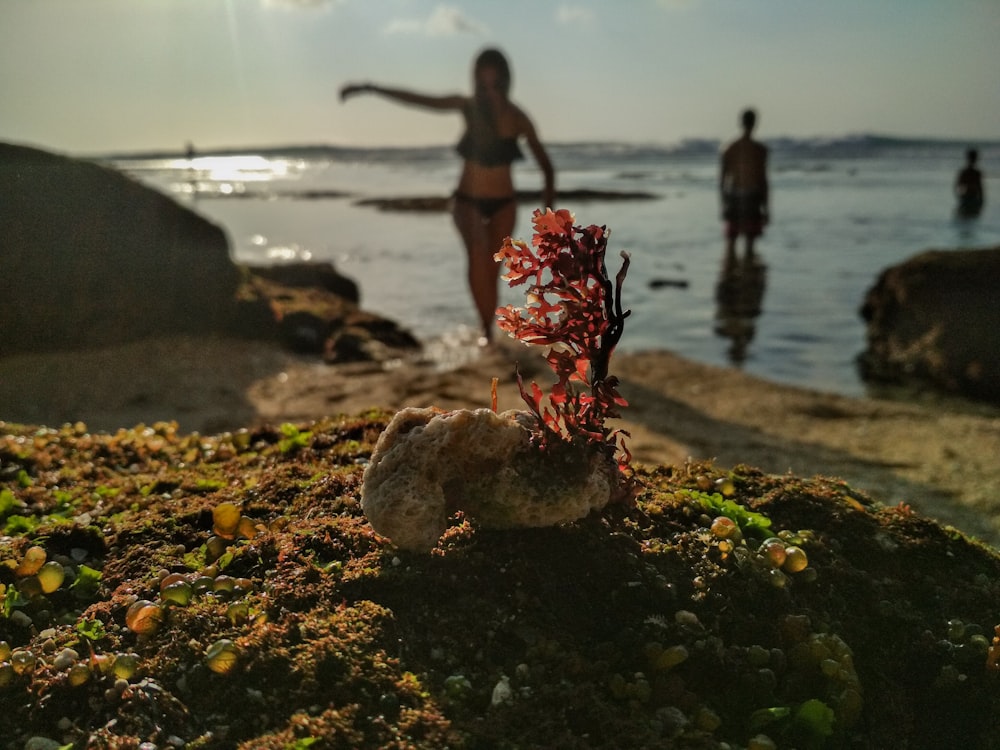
[(366, 337), (935, 319), (418, 203), (89, 257), (311, 317), (438, 203), (322, 275), (303, 332), (674, 283)]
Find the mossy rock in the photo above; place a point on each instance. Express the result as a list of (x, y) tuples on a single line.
[(634, 627)]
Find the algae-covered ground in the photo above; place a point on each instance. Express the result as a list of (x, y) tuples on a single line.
[(167, 590)]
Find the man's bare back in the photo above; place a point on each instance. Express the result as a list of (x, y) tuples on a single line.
[(744, 167)]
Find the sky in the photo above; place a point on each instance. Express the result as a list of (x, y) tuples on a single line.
[(113, 76)]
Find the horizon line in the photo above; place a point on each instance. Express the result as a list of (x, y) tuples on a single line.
[(149, 152)]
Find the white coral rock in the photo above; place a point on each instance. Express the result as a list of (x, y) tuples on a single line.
[(428, 464)]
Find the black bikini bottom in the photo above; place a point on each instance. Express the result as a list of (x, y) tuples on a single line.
[(485, 206)]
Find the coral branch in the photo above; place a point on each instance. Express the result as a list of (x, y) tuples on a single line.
[(574, 308)]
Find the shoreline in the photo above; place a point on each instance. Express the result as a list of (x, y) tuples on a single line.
[(937, 459)]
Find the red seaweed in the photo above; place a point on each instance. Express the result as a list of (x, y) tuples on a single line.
[(575, 309)]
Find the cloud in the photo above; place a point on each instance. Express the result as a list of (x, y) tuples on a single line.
[(444, 20), (678, 5), (300, 4), (574, 14)]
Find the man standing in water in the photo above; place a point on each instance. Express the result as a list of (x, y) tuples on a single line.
[(743, 188), (969, 187)]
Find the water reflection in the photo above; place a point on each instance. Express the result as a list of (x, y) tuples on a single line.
[(739, 296), (966, 229), (277, 250), (221, 176), (242, 168)]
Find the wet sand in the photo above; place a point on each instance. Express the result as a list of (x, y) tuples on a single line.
[(931, 455)]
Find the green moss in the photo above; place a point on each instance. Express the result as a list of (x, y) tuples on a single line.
[(751, 523)]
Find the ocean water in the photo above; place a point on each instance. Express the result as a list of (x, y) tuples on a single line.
[(842, 211)]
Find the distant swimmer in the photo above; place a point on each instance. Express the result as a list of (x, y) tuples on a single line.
[(484, 205), (192, 175), (969, 187), (743, 187)]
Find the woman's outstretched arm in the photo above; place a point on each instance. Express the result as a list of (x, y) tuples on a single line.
[(447, 102)]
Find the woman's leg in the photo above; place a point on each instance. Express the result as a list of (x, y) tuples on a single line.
[(482, 240), (498, 228)]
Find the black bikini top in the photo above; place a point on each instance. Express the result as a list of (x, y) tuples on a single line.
[(488, 149), (490, 152)]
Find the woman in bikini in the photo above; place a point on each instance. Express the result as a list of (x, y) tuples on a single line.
[(484, 204)]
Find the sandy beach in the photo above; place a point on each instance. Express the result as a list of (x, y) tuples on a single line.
[(933, 455)]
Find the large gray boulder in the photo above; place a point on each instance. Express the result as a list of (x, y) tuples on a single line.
[(935, 319), (90, 257)]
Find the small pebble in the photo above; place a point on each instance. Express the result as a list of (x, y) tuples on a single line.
[(687, 619), (23, 661), (502, 692), (672, 719), (65, 659), (41, 743), (19, 618), (78, 674)]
